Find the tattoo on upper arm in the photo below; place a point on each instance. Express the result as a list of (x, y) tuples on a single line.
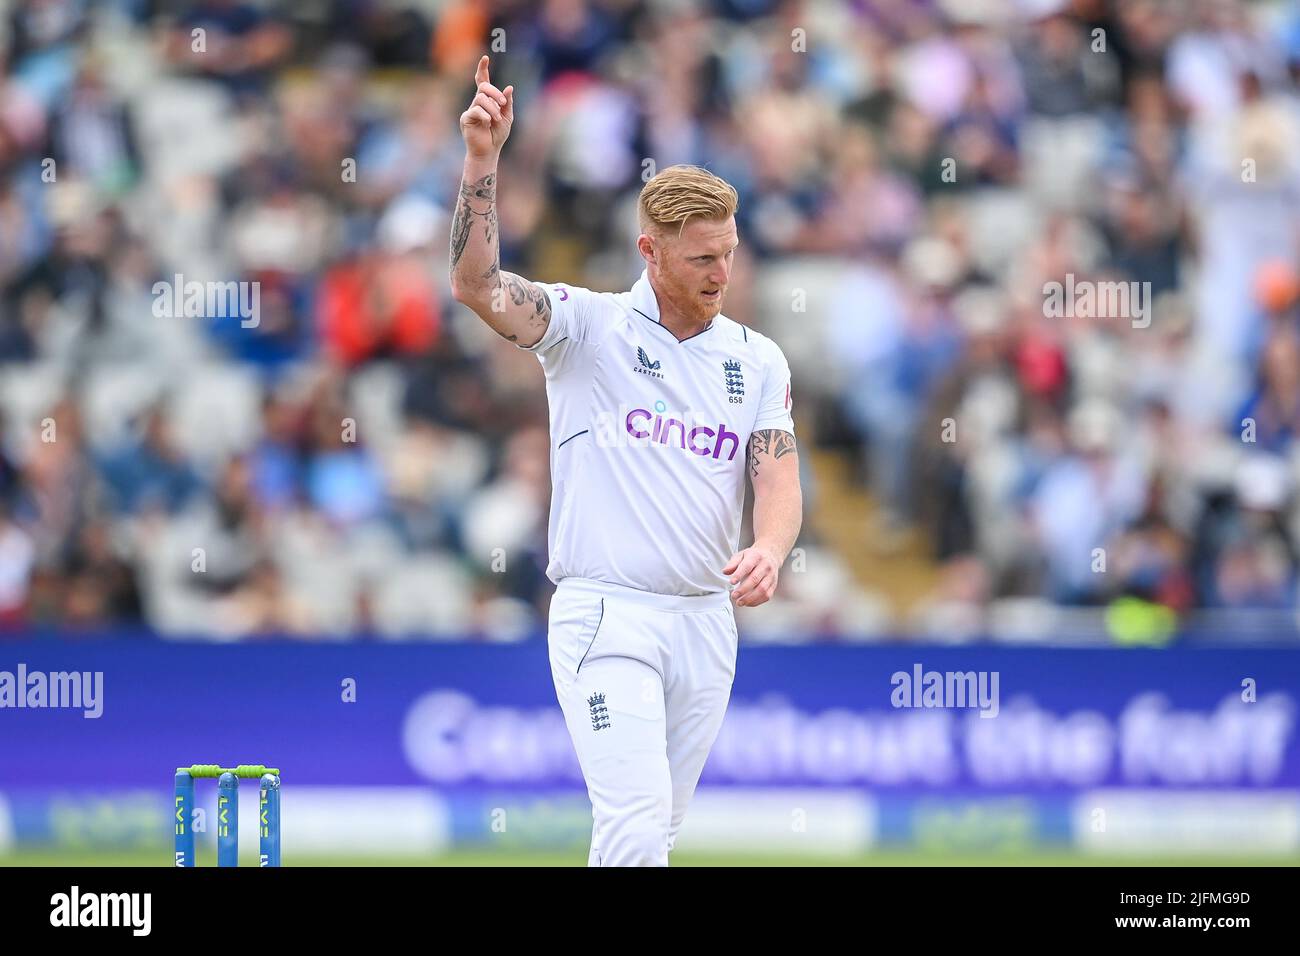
[(522, 292), (769, 441)]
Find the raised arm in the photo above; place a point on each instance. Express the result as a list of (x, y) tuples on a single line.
[(773, 463), (513, 307)]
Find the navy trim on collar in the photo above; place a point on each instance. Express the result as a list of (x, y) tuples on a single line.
[(670, 331)]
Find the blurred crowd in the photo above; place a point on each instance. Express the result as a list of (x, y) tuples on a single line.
[(359, 455)]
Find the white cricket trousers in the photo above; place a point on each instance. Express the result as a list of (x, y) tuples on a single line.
[(643, 680)]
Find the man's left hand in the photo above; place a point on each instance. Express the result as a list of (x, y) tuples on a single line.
[(753, 576)]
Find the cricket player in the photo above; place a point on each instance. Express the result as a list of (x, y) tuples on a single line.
[(660, 407)]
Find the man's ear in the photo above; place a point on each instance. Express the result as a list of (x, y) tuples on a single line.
[(646, 246)]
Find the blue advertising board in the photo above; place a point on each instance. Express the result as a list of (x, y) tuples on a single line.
[(473, 715)]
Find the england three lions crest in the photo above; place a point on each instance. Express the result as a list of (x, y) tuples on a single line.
[(734, 380)]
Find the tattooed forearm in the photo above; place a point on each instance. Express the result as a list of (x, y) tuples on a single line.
[(778, 499), (516, 309), (477, 200), (769, 441)]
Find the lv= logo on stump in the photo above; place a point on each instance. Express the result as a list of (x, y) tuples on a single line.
[(268, 816)]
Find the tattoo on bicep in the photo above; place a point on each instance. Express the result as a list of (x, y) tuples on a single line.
[(515, 286), (758, 444), (521, 292), (769, 441), (482, 191)]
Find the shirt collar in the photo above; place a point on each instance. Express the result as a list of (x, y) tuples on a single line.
[(644, 301), (643, 297)]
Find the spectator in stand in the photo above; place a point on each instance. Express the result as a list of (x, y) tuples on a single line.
[(911, 181)]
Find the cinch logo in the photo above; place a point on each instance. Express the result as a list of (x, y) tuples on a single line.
[(641, 423), (656, 427)]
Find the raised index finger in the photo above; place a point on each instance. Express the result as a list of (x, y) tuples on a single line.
[(481, 74)]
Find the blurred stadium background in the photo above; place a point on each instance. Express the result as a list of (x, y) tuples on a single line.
[(1103, 510)]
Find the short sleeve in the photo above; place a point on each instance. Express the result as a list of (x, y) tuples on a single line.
[(775, 403), (572, 309)]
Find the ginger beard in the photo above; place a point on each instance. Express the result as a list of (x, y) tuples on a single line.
[(686, 268)]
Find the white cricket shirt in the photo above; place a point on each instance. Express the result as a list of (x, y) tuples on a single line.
[(649, 437)]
